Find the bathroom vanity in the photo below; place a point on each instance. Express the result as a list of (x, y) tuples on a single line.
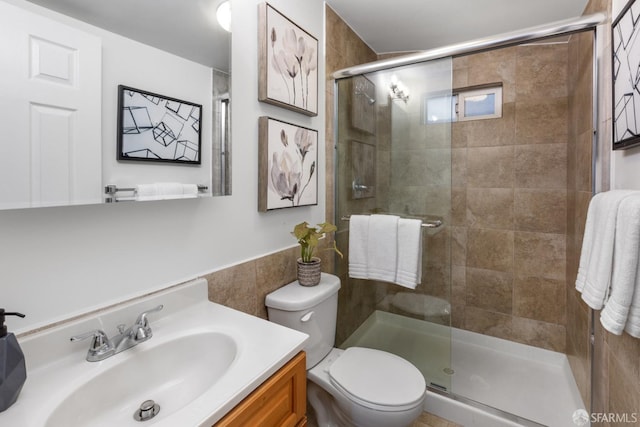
[(279, 401), (201, 361)]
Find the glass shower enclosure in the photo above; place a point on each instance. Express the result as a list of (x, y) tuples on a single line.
[(493, 196), (394, 157)]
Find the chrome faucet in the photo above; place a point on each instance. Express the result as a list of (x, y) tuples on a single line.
[(103, 347)]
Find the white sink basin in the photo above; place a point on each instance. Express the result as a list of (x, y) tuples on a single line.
[(202, 360), (171, 374)]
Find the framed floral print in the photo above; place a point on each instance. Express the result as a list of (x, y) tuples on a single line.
[(288, 63), (287, 165)]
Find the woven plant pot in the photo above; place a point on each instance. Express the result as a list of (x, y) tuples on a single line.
[(309, 272)]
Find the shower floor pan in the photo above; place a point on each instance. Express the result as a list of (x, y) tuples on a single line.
[(494, 383)]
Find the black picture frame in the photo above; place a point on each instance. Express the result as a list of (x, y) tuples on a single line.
[(158, 128), (626, 77)]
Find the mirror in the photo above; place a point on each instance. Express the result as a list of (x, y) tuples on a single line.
[(62, 63)]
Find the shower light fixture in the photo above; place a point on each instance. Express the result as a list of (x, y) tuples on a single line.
[(397, 90)]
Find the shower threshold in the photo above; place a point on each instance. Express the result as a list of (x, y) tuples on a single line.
[(494, 383)]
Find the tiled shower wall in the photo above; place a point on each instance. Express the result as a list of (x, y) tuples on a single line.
[(510, 198), (344, 49)]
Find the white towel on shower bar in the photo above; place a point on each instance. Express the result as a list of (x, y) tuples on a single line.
[(358, 241), (409, 270), (624, 279), (382, 249), (596, 257)]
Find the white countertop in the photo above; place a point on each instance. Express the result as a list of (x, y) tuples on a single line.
[(57, 367)]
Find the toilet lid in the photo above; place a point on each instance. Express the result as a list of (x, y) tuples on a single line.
[(377, 378)]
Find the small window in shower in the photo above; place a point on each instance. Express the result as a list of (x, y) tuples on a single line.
[(463, 104), (477, 104), (440, 109)]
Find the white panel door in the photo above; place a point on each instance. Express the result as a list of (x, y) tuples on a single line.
[(50, 112)]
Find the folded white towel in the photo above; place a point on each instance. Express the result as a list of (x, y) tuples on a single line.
[(165, 191), (409, 271), (358, 241), (596, 257), (382, 249), (189, 191), (633, 319), (624, 279)]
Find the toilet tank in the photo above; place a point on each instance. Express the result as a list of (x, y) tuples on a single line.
[(309, 309)]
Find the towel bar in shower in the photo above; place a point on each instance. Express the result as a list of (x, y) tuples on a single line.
[(425, 224)]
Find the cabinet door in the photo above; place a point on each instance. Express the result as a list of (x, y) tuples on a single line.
[(50, 112), (281, 401)]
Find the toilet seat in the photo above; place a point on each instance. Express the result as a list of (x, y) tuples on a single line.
[(377, 379)]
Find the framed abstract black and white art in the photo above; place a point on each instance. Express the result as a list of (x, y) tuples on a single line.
[(157, 128), (626, 77)]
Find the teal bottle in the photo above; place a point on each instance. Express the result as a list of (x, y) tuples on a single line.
[(13, 372)]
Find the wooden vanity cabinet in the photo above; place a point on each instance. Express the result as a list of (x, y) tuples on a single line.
[(281, 401)]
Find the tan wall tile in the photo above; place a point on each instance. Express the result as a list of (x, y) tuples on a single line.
[(274, 271), (490, 208), (458, 285), (583, 161), (624, 391), (459, 246), (541, 166), (543, 211), (459, 134), (494, 66), (489, 290), (600, 373), (415, 167), (458, 206), (235, 287), (492, 132), (541, 71), (539, 299), (490, 167), (540, 334), (488, 323), (459, 167), (490, 249), (539, 255), (542, 121)]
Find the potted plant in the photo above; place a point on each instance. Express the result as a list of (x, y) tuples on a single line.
[(308, 237)]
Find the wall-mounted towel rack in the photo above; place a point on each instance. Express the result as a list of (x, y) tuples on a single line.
[(111, 190), (425, 224)]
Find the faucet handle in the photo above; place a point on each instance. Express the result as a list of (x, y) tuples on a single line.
[(142, 318), (101, 346), (140, 330)]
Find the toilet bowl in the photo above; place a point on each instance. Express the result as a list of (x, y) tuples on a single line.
[(359, 387)]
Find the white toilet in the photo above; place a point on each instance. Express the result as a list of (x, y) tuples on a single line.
[(358, 386)]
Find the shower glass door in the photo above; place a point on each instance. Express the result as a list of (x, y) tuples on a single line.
[(393, 156)]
